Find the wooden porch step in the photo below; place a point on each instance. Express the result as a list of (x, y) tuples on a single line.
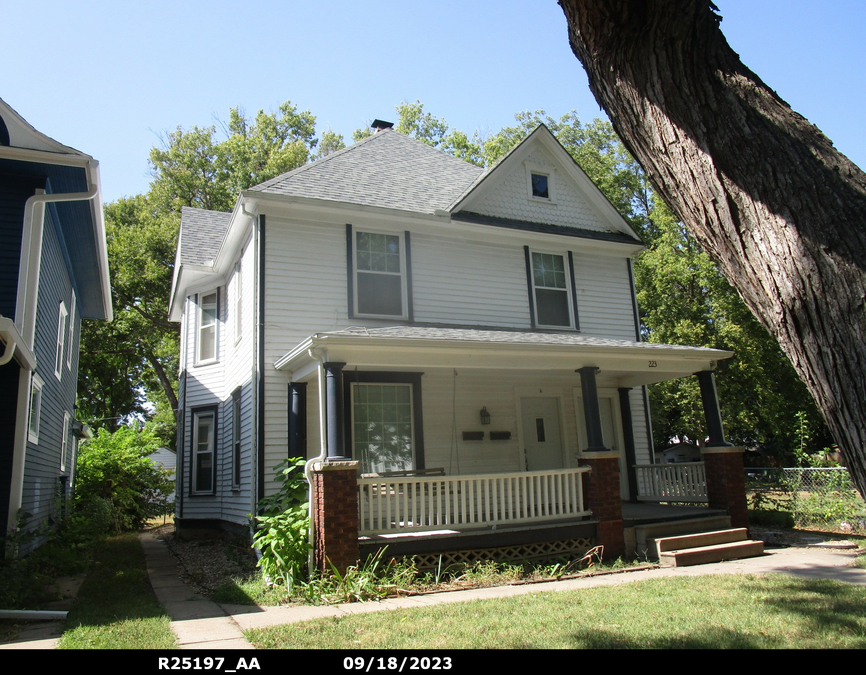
[(701, 539), (702, 555), (647, 534)]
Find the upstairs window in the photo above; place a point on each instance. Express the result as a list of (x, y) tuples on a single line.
[(62, 318), (36, 385), (551, 280), (208, 321), (379, 281), (70, 339)]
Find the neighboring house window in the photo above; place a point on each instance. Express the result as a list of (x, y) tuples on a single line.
[(239, 296), (379, 274), (236, 438), (208, 322), (62, 318), (36, 385), (385, 411), (204, 451), (71, 336), (551, 281), (64, 441)]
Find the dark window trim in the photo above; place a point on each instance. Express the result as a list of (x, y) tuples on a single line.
[(195, 412), (350, 270), (237, 416), (573, 291), (297, 423), (350, 278), (386, 377), (529, 287), (260, 375)]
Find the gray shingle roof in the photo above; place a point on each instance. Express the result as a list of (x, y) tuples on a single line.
[(387, 170), (508, 337), (201, 235)]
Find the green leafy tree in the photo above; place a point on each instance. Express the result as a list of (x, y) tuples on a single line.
[(114, 468), (330, 142), (131, 364), (194, 168)]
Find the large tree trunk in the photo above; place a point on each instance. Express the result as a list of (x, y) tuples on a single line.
[(780, 211)]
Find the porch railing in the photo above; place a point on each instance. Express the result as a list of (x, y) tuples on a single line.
[(680, 482), (392, 505)]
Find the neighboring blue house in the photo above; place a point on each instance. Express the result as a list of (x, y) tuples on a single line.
[(53, 274)]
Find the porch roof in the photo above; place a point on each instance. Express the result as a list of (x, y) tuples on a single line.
[(622, 363)]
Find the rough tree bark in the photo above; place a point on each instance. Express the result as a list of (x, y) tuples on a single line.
[(778, 208)]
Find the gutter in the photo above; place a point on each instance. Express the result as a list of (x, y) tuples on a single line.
[(15, 345)]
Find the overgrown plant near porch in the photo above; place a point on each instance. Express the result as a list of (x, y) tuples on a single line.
[(284, 525)]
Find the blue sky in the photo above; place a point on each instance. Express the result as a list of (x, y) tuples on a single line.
[(108, 77)]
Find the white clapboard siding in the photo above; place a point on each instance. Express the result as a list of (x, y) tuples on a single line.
[(460, 281), (604, 296)]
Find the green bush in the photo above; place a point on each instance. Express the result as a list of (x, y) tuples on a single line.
[(114, 469), (283, 526)]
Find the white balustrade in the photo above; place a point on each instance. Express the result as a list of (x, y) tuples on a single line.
[(391, 505), (680, 482)]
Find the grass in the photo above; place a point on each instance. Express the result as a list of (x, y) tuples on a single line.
[(116, 607), (379, 578), (723, 612)]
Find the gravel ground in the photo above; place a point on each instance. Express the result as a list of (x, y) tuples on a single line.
[(209, 563)]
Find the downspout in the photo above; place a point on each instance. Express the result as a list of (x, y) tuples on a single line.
[(323, 451), (29, 269), (31, 256)]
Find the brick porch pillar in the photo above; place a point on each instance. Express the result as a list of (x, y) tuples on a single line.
[(602, 494), (335, 515), (726, 482)]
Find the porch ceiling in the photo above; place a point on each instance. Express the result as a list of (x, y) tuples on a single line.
[(622, 363)]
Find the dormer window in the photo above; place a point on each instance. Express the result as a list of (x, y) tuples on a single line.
[(540, 183)]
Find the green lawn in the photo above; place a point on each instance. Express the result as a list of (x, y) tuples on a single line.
[(748, 612), (116, 607)]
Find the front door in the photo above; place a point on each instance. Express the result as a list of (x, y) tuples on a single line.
[(542, 439)]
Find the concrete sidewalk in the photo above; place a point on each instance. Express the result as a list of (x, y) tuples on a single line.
[(203, 624)]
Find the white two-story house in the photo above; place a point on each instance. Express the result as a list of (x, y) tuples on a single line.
[(472, 332)]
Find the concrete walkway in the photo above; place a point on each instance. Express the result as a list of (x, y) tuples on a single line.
[(203, 624)]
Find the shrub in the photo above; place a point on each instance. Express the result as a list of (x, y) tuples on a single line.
[(284, 523), (115, 468)]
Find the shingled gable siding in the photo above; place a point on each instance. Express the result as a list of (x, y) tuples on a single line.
[(42, 465), (510, 199)]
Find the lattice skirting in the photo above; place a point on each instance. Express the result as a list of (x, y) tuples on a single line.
[(538, 552)]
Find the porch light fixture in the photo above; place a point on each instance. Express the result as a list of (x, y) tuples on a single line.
[(485, 416)]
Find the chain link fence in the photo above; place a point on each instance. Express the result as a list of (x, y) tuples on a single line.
[(817, 498)]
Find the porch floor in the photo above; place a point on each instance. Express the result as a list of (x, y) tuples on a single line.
[(643, 513)]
